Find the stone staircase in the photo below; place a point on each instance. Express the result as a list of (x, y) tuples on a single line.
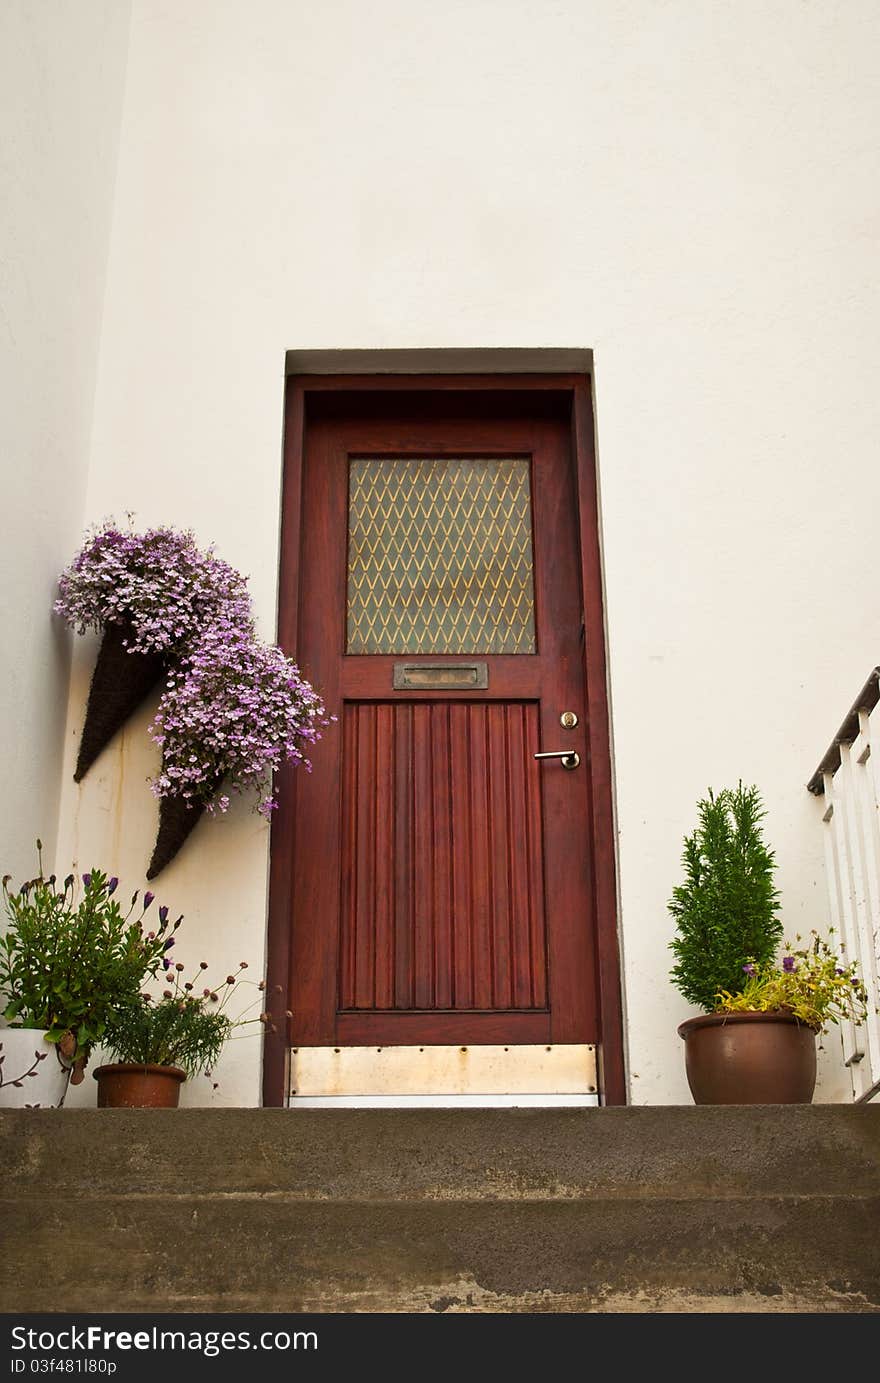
[(772, 1208)]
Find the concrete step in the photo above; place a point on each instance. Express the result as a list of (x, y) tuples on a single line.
[(768, 1208)]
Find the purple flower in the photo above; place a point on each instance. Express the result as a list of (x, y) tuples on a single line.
[(750, 968), (148, 898), (87, 879), (234, 712), (163, 914), (112, 886), (788, 965), (168, 944), (159, 582)]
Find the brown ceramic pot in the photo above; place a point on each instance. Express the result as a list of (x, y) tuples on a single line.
[(749, 1058), (125, 1086)]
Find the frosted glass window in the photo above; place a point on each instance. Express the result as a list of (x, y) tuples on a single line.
[(440, 556)]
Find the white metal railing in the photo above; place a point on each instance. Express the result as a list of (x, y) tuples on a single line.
[(847, 787)]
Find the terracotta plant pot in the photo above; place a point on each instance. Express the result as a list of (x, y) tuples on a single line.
[(128, 1086), (120, 682), (32, 1074), (749, 1058)]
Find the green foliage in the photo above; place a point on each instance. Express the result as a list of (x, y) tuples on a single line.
[(69, 966), (725, 911), (811, 984), (181, 1028)]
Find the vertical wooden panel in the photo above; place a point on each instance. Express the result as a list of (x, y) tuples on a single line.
[(441, 888), (383, 989), (604, 949), (498, 798), (423, 860), (462, 823), (402, 808), (517, 807), (534, 858), (477, 786), (443, 807), (349, 910), (364, 857)]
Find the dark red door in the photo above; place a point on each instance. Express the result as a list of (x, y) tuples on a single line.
[(442, 887)]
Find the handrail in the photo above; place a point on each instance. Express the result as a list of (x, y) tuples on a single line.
[(866, 700), (846, 786)]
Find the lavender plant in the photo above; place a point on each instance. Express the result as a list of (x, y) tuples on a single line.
[(159, 584), (68, 964)]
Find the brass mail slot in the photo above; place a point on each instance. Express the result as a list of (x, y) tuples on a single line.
[(441, 676)]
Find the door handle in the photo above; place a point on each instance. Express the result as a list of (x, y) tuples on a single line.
[(569, 758)]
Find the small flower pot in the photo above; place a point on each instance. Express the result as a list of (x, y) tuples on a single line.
[(32, 1074), (128, 1086), (749, 1058)]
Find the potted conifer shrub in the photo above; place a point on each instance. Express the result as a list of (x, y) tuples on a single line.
[(755, 1042)]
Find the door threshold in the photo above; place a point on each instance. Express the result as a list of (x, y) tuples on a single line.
[(442, 1101), (561, 1072)]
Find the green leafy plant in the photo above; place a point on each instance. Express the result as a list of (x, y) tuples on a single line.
[(726, 908), (811, 984), (183, 1028), (69, 966)]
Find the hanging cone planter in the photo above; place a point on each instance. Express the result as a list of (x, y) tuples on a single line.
[(178, 818), (120, 682)]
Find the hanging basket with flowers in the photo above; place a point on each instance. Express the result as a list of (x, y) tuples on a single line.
[(149, 595), (233, 709), (232, 713)]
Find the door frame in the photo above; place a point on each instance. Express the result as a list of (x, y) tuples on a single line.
[(577, 389)]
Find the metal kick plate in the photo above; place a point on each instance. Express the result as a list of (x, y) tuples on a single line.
[(560, 1069), (441, 676)]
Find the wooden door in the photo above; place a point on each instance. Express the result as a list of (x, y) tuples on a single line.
[(435, 881)]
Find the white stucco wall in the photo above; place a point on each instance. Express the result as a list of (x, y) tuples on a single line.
[(690, 190), (62, 72)]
